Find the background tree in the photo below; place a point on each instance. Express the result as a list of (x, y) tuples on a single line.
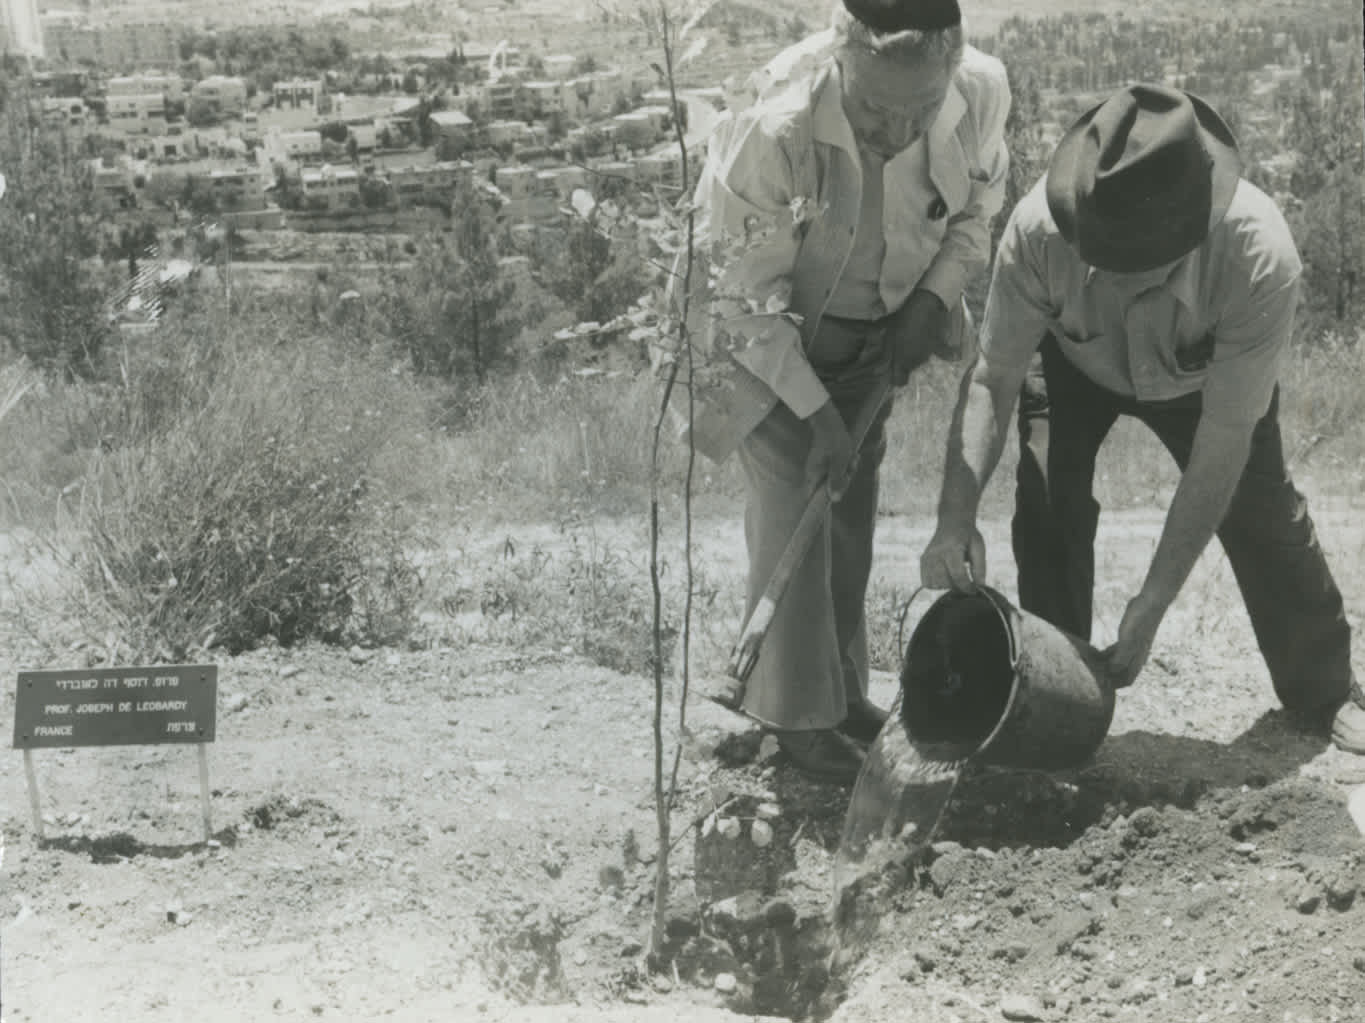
[(375, 192), (201, 112), (478, 292), (164, 188), (288, 188), (50, 282), (199, 198), (1325, 132), (596, 276), (1023, 139), (448, 306), (129, 243)]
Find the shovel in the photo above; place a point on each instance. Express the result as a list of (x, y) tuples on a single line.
[(746, 651)]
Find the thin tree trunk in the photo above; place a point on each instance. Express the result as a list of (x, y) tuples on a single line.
[(666, 795)]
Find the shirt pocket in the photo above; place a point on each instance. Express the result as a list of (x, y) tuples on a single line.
[(954, 186), (1194, 356), (1073, 334)]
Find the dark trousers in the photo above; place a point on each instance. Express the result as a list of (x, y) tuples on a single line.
[(1267, 534)]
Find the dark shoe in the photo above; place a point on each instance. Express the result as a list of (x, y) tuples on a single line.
[(823, 754), (863, 723), (1348, 727)]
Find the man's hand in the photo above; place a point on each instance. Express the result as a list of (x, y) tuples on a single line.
[(831, 451), (1141, 619), (955, 559), (914, 332)]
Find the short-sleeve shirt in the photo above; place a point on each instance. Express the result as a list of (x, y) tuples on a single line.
[(1220, 322)]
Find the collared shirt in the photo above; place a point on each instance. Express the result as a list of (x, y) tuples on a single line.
[(858, 293), (1219, 323), (780, 200)]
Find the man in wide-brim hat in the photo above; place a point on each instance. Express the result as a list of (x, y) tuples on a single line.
[(844, 210), (1151, 281)]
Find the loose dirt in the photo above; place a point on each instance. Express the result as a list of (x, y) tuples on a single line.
[(464, 831)]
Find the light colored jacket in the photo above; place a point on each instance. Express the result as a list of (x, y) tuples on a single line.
[(778, 206)]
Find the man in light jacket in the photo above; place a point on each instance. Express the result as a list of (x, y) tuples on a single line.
[(844, 212)]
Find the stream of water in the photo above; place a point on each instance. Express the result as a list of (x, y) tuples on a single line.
[(897, 804)]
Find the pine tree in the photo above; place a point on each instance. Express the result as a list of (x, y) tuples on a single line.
[(450, 308), (1325, 131), (50, 282)]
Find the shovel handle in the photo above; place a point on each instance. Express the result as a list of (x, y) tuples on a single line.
[(746, 650), (745, 654)]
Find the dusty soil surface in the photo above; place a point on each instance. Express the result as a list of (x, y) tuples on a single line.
[(463, 830)]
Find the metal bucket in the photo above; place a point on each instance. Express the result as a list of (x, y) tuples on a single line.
[(987, 682)]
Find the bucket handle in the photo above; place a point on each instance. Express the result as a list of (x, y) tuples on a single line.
[(1001, 611)]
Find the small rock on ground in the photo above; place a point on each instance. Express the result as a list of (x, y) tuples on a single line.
[(1024, 1008)]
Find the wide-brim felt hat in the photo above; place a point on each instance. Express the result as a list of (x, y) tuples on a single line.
[(1140, 179)]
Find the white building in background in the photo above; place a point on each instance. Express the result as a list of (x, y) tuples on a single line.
[(560, 65), (20, 30), (330, 188), (225, 95), (287, 146), (298, 93), (67, 37), (170, 86), (137, 114)]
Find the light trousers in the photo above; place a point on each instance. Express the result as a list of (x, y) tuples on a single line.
[(813, 662)]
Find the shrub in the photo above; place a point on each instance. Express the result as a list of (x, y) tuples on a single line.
[(239, 493)]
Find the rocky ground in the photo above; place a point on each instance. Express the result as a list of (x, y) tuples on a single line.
[(464, 830)]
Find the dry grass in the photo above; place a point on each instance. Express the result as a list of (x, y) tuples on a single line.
[(1323, 410), (233, 489), (244, 478)]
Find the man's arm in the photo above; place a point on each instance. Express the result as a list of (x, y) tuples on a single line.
[(956, 556), (1017, 313), (1201, 500), (1252, 338)]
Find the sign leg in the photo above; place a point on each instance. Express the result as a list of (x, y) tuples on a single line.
[(32, 777), (204, 790)]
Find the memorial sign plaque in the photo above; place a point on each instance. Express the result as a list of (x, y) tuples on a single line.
[(116, 706)]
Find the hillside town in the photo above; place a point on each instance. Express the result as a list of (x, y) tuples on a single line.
[(297, 132), (379, 139), (307, 155)]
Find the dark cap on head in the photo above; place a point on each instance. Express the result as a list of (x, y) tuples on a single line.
[(887, 16)]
